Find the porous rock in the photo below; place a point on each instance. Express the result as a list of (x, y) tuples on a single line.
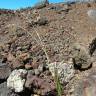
[(16, 80), (65, 70)]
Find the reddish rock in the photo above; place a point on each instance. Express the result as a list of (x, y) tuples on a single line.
[(42, 85), (14, 62), (28, 66), (24, 56)]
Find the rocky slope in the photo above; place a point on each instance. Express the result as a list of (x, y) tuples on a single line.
[(65, 31)]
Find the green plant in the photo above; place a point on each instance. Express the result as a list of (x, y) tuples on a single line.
[(58, 84)]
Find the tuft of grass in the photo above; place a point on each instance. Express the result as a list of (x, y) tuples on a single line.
[(58, 85)]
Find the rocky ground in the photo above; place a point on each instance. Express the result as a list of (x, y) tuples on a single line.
[(65, 32)]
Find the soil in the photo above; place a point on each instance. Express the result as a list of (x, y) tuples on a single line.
[(59, 26)]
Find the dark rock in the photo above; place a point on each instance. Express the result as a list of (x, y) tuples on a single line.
[(4, 71), (92, 46)]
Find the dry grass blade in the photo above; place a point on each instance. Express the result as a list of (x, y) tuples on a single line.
[(43, 47)]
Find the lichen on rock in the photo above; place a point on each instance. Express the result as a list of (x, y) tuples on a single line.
[(16, 80), (65, 70)]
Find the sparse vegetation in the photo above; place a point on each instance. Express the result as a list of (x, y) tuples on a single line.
[(26, 42), (59, 87)]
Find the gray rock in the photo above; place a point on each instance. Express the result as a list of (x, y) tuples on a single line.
[(41, 4), (16, 80), (65, 70), (3, 89), (92, 14), (39, 69), (4, 70), (41, 21), (81, 57), (36, 72), (86, 86), (31, 72)]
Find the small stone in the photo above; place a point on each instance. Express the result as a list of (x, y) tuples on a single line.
[(3, 89), (40, 68), (41, 21), (28, 66), (81, 57), (4, 70), (16, 80), (10, 57), (36, 72), (24, 56)]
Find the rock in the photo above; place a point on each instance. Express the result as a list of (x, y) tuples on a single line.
[(65, 70), (28, 66), (92, 14), (14, 62), (10, 57), (42, 86), (92, 47), (3, 89), (81, 57), (60, 9), (20, 32), (24, 56), (41, 21), (16, 80), (31, 72), (86, 86), (41, 4), (4, 71), (39, 69), (36, 71)]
